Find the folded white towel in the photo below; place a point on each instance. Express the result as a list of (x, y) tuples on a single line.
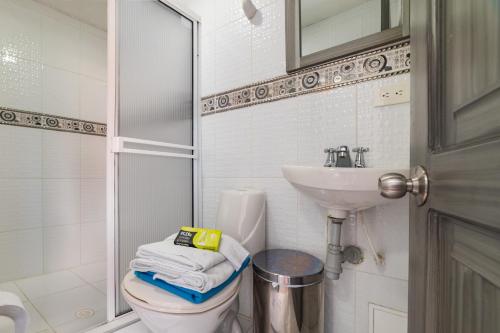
[(233, 251), (183, 257), (188, 267), (177, 257), (200, 281)]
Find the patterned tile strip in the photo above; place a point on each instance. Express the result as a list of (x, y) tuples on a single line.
[(390, 60), (50, 122)]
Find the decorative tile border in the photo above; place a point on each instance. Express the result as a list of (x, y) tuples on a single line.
[(50, 122), (386, 61)]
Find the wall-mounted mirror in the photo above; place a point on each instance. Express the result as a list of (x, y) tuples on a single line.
[(322, 30)]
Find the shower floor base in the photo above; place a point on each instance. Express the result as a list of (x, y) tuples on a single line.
[(62, 302)]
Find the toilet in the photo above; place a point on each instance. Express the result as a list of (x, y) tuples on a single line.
[(241, 214)]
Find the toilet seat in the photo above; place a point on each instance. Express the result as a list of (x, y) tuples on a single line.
[(153, 298)]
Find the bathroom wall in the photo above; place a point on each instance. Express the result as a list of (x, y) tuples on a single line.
[(246, 147), (52, 188)]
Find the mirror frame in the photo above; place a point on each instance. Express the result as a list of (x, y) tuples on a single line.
[(295, 61)]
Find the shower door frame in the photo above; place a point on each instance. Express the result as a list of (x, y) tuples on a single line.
[(115, 144)]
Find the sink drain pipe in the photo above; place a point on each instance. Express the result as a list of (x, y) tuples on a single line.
[(335, 255)]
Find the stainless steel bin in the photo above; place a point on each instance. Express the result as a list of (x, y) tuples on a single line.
[(288, 292)]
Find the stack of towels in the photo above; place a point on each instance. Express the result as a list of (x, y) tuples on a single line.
[(193, 274)]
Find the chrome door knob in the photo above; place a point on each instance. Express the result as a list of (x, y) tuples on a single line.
[(395, 185)]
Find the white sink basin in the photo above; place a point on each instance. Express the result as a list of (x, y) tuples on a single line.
[(340, 190)]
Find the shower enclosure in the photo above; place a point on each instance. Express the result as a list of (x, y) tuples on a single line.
[(98, 149), (153, 112)]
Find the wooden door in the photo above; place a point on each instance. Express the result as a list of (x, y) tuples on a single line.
[(454, 282)]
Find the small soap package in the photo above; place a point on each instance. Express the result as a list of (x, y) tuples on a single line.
[(201, 238)]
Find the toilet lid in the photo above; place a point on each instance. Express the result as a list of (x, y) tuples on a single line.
[(151, 297)]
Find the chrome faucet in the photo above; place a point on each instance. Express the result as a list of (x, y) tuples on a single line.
[(330, 158), (343, 158), (359, 162)]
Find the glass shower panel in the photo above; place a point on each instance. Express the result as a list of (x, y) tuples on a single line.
[(155, 72), (154, 195), (155, 200)]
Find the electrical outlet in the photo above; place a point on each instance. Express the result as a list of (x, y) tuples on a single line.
[(394, 94)]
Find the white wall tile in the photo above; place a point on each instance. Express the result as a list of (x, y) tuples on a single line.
[(92, 50), (21, 84), (20, 204), (311, 227), (93, 200), (210, 201), (93, 242), (232, 139), (60, 92), (340, 303), (60, 155), (207, 64), (61, 201), (20, 254), (227, 11), (92, 99), (268, 42), (388, 227), (60, 42), (233, 55), (93, 157), (61, 247), (281, 212), (208, 147), (20, 31), (385, 130), (276, 123), (54, 64), (21, 150), (376, 289), (326, 119)]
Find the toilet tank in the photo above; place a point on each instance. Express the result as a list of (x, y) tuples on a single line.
[(242, 215)]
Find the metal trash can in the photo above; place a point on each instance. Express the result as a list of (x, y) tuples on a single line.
[(287, 292)]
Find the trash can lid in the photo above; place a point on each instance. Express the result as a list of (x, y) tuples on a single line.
[(288, 267)]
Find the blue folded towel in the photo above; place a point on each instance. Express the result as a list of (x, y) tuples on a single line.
[(188, 294)]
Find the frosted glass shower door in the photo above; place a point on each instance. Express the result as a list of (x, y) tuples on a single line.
[(152, 167)]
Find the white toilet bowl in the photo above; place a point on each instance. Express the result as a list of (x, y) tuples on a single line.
[(162, 312), (241, 215)]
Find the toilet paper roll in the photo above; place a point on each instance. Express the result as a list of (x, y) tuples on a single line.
[(12, 307)]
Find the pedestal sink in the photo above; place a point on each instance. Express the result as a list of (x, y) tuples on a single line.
[(340, 190)]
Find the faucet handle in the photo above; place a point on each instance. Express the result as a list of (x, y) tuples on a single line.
[(361, 149), (330, 158), (359, 162)]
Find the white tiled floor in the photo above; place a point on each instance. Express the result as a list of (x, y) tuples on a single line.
[(61, 302)]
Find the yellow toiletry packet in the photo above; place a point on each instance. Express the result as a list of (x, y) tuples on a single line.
[(201, 238)]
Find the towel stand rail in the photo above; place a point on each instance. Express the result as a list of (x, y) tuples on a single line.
[(119, 143)]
